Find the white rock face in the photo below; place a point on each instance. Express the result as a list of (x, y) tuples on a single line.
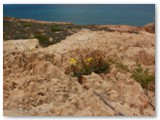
[(21, 45), (35, 82)]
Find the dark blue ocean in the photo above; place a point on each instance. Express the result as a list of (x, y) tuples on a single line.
[(130, 14)]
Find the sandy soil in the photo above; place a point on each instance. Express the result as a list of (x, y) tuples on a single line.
[(35, 83)]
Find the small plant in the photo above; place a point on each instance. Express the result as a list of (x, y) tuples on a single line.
[(142, 76), (43, 40), (56, 28), (86, 61), (120, 66)]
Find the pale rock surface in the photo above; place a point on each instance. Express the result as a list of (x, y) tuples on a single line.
[(35, 82), (20, 45)]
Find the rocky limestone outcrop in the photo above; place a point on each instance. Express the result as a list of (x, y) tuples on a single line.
[(150, 27), (35, 83), (20, 45)]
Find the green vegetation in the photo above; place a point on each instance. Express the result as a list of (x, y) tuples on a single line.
[(43, 40), (120, 66), (86, 61), (26, 24), (16, 29), (56, 28), (142, 75)]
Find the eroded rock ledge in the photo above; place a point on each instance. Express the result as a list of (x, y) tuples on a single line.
[(35, 82)]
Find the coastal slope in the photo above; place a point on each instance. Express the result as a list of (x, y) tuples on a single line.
[(37, 83)]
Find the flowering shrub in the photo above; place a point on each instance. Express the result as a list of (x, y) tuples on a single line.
[(86, 61)]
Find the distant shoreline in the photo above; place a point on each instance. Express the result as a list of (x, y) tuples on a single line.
[(55, 22), (33, 20), (17, 28), (118, 27), (64, 22)]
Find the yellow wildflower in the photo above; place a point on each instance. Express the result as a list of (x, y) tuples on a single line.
[(89, 59), (73, 61)]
